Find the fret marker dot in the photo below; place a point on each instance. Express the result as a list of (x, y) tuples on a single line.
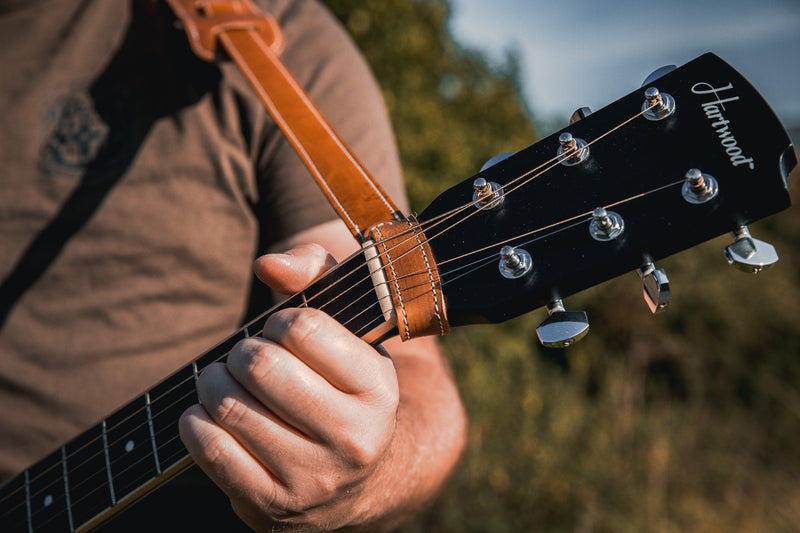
[(48, 500), (129, 446)]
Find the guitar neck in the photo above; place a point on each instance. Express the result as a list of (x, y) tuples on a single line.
[(138, 447)]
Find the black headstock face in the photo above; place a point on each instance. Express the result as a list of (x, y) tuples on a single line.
[(636, 168)]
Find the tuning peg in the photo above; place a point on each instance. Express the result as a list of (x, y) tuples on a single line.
[(496, 159), (657, 73), (562, 328), (579, 114), (749, 254), (655, 287)]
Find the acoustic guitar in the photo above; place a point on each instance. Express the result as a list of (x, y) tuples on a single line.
[(694, 154)]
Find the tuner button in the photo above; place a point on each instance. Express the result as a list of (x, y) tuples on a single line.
[(749, 254), (562, 328), (657, 105), (579, 114), (655, 287), (657, 73), (496, 159)]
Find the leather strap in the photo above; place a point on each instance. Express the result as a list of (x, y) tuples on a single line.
[(412, 277), (253, 40)]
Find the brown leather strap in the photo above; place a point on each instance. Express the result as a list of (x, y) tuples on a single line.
[(412, 277), (254, 40)]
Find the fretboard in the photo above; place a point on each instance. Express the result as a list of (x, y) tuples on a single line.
[(137, 448)]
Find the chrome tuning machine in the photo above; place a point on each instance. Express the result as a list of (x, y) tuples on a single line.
[(657, 105), (657, 73), (579, 114), (606, 225), (571, 150), (514, 262), (489, 194), (655, 287), (749, 254), (699, 188), (562, 328)]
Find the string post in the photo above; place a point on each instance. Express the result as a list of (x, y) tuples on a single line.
[(487, 194), (571, 150), (606, 225), (699, 188), (657, 105), (514, 263)]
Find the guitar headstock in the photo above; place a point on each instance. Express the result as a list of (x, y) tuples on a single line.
[(654, 173)]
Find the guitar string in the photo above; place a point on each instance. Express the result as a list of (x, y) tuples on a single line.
[(431, 223), (439, 219), (477, 264)]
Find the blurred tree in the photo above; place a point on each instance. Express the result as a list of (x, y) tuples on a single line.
[(684, 421), (451, 110)]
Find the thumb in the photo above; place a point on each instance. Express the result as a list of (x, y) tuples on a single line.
[(291, 271)]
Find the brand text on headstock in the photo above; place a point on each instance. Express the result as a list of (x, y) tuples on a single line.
[(713, 111)]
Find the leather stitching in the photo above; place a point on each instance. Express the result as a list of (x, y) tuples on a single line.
[(381, 240)]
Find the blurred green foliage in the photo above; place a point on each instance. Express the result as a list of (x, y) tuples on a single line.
[(684, 421)]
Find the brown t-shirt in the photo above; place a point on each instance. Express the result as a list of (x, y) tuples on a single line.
[(137, 185)]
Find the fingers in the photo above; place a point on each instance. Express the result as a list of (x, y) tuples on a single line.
[(234, 469), (286, 387), (291, 271), (322, 387), (263, 433), (326, 346)]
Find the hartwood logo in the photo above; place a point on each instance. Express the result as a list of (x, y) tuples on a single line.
[(713, 112)]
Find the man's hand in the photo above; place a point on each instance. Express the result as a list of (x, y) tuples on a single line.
[(298, 417), (309, 426)]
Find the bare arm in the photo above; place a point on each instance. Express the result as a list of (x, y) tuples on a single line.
[(310, 427)]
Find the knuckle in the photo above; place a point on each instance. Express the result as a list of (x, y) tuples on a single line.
[(253, 363), (210, 449), (228, 411), (363, 451), (300, 326)]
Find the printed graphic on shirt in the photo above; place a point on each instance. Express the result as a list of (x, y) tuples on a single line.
[(74, 133)]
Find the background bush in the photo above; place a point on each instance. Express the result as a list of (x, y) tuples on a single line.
[(684, 421)]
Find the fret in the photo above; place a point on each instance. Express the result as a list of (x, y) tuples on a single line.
[(152, 433), (107, 457), (87, 475), (65, 474), (15, 505), (130, 456), (169, 399), (28, 501), (48, 502), (196, 377), (141, 441)]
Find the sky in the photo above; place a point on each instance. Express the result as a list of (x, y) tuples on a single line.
[(589, 53)]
